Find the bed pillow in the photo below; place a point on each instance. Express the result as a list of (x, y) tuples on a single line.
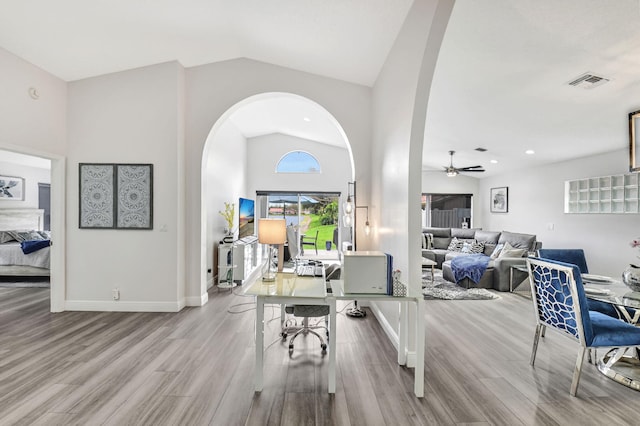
[(6, 237), (45, 234), (21, 236)]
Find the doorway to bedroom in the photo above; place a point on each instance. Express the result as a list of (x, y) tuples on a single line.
[(25, 206)]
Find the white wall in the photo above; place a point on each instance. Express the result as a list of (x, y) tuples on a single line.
[(133, 116), (399, 110), (226, 181), (265, 152), (214, 90), (39, 127), (536, 200), (32, 177), (35, 125)]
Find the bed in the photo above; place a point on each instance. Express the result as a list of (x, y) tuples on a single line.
[(24, 223)]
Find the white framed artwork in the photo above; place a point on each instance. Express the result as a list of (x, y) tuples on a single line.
[(11, 188)]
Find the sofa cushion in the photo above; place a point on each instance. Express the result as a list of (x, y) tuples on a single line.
[(525, 241), (465, 233), (438, 232), (487, 236)]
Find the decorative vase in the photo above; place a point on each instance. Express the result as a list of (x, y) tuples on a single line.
[(631, 277)]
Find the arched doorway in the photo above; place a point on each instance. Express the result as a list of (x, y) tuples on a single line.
[(239, 147)]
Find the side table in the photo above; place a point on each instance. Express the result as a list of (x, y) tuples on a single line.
[(512, 269), (428, 262)]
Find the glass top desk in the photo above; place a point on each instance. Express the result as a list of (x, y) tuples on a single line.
[(621, 365), (293, 289), (289, 288)]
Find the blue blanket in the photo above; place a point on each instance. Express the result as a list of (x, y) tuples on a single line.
[(470, 266), (30, 246)]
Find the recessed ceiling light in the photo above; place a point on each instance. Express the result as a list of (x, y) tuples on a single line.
[(494, 161), (307, 119), (529, 152)]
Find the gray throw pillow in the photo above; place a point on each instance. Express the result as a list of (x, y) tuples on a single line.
[(509, 251)]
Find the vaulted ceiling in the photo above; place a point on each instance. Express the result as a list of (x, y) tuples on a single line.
[(500, 82)]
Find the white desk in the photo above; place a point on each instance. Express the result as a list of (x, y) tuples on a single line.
[(403, 328), (291, 289)]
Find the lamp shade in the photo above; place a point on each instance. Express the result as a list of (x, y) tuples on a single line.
[(272, 231)]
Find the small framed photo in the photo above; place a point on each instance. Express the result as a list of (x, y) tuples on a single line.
[(11, 188), (500, 199)]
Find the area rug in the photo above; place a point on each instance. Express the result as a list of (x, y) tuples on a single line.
[(446, 290)]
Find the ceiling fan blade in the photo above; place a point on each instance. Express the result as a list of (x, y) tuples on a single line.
[(470, 167), (470, 170)]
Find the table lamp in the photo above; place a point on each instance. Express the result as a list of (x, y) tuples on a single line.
[(271, 231)]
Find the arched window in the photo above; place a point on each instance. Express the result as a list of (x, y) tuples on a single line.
[(298, 162)]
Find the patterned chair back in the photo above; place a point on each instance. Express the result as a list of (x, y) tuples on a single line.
[(559, 299)]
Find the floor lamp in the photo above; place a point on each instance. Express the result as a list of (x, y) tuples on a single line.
[(271, 231)]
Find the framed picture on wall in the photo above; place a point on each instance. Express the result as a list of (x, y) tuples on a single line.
[(500, 199), (634, 141), (11, 188), (96, 196), (116, 196)]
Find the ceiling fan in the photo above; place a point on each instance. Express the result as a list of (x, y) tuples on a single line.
[(453, 171)]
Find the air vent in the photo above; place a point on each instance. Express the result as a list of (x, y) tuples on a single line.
[(481, 149), (588, 81)]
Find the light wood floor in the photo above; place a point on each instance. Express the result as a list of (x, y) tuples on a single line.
[(196, 368)]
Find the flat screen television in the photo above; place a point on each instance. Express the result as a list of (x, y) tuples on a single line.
[(247, 218)]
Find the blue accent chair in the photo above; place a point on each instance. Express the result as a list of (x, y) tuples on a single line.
[(577, 257), (561, 305)]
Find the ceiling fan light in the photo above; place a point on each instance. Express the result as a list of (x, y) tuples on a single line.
[(452, 173)]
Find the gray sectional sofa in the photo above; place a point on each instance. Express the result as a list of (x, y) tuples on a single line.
[(437, 244)]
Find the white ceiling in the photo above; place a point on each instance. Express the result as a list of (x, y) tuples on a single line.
[(75, 39), (500, 81)]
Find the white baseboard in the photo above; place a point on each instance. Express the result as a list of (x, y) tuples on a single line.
[(122, 306), (197, 301), (392, 334)]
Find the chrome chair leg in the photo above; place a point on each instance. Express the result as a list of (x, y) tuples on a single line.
[(576, 372), (536, 338)]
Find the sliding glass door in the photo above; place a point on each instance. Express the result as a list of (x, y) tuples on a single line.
[(447, 210), (314, 214)]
